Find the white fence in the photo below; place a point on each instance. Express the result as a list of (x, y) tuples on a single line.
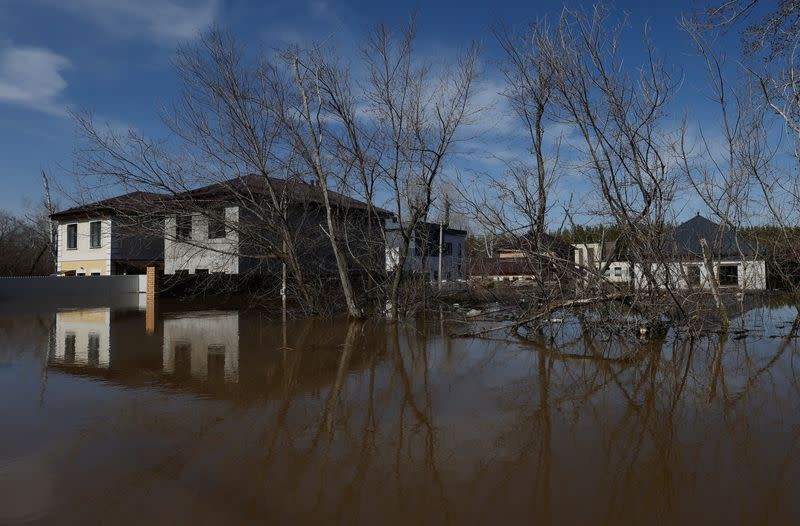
[(74, 287)]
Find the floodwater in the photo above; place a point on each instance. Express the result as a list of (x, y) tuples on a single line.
[(223, 417)]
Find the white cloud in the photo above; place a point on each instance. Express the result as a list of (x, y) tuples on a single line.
[(163, 20), (31, 77)]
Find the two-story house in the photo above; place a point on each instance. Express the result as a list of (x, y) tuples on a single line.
[(230, 227), (109, 237)]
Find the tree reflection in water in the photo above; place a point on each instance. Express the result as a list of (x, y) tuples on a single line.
[(349, 422)]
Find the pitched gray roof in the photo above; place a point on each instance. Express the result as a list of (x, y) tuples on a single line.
[(722, 241)]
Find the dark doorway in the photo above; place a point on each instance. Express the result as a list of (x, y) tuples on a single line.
[(693, 275), (728, 275)]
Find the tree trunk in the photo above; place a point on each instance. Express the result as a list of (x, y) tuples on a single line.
[(709, 264), (353, 309)]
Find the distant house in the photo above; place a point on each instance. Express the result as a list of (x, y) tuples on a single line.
[(108, 237), (423, 251), (597, 256), (522, 259), (222, 227), (735, 261)]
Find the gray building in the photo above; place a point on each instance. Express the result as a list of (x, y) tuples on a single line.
[(230, 227), (423, 255), (735, 261)]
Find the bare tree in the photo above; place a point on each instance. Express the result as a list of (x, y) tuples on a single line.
[(530, 88), (418, 115), (293, 142)]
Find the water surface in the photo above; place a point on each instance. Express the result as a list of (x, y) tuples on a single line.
[(226, 417)]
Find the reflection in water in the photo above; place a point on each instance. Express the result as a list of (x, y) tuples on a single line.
[(83, 337), (203, 345), (227, 418)]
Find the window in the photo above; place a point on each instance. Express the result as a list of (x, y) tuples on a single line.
[(94, 349), (728, 275), (94, 234), (693, 275), (216, 224), (183, 360), (448, 249), (95, 273), (72, 237), (183, 227), (69, 347), (216, 363), (618, 271)]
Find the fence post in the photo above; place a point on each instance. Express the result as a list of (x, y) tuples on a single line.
[(150, 314)]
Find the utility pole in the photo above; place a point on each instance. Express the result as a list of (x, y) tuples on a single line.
[(442, 223), (283, 265)]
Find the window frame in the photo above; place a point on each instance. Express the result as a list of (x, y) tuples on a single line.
[(216, 219), (694, 275), (74, 228), (99, 243), (183, 227)]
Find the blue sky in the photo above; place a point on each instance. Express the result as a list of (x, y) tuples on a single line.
[(113, 57)]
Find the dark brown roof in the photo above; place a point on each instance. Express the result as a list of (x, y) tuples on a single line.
[(127, 203), (485, 266), (295, 189)]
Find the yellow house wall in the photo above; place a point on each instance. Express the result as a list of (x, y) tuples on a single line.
[(88, 266)]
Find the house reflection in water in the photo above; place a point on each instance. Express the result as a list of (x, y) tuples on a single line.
[(83, 337), (203, 345)]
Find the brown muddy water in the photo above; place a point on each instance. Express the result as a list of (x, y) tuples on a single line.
[(224, 417)]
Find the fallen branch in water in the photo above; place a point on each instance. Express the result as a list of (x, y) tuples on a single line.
[(582, 302)]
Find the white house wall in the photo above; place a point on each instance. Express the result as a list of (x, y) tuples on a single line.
[(616, 271), (79, 326), (204, 333), (85, 259), (214, 255), (752, 275)]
